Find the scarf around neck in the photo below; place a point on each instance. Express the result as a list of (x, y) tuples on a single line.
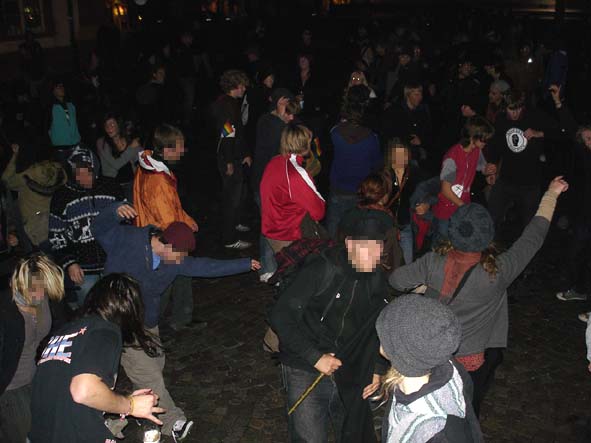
[(422, 419), (456, 265)]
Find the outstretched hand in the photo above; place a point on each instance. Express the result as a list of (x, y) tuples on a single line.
[(558, 185)]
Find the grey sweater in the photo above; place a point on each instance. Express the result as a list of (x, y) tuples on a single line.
[(481, 305)]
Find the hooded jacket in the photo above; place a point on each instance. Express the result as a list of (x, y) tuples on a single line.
[(72, 210), (155, 196), (35, 187)]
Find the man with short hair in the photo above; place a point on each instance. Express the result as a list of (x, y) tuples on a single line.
[(155, 258), (232, 155), (325, 322)]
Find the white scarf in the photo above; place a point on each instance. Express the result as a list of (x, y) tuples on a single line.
[(150, 164)]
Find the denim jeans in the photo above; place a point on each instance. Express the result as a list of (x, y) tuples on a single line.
[(83, 289), (440, 231), (338, 205), (407, 243), (267, 256), (310, 421)]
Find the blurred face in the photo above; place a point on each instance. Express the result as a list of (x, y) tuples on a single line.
[(84, 177), (465, 70), (286, 117), (525, 52), (415, 97), (307, 38), (417, 52), (111, 127), (495, 96), (358, 78), (586, 136), (174, 154), (187, 39), (238, 91), (364, 255), (59, 91), (172, 257), (400, 157), (514, 114), (403, 59), (479, 144), (269, 81), (304, 63), (159, 76), (37, 290)]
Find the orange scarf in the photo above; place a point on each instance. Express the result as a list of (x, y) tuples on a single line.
[(456, 265)]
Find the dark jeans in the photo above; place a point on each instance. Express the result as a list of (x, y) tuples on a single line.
[(525, 198), (233, 192), (579, 258), (310, 421), (338, 206), (15, 415), (181, 294), (267, 256), (483, 377)]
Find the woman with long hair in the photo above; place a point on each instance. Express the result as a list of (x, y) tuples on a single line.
[(118, 150), (77, 370), (469, 275), (25, 320)]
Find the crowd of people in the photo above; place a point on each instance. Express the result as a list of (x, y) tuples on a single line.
[(395, 211)]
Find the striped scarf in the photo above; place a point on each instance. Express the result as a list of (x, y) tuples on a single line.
[(425, 417)]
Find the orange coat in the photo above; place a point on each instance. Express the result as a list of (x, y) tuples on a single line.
[(156, 200)]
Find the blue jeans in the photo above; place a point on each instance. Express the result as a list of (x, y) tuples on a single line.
[(310, 421), (83, 289), (267, 256), (440, 231), (338, 205), (407, 243)]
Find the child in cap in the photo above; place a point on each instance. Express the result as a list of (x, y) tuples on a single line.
[(429, 393)]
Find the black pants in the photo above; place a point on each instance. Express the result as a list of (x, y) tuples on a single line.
[(233, 192), (578, 260), (483, 377), (525, 197)]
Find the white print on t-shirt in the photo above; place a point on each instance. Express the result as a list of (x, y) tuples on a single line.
[(516, 139), (458, 190), (57, 346)]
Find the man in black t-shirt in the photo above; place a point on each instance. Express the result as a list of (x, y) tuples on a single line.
[(78, 368)]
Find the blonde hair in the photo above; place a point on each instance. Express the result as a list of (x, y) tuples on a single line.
[(391, 379), (360, 74), (295, 139), (42, 267), (488, 257)]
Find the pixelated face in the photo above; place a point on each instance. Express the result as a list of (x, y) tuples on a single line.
[(269, 81), (415, 97), (172, 257), (36, 289), (400, 157), (514, 114), (364, 254), (84, 177), (111, 127), (586, 137), (403, 59), (490, 69), (494, 96), (174, 154)]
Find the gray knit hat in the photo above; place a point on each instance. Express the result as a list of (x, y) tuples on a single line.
[(471, 229), (418, 334)]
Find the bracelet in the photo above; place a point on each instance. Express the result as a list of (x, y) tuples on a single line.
[(130, 412)]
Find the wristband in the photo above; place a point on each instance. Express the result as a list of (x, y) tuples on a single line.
[(130, 412)]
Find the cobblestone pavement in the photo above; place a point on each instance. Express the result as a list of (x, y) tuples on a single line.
[(230, 387)]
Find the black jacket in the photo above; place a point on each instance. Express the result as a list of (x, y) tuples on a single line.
[(230, 149), (340, 319), (268, 141), (400, 121), (12, 339)]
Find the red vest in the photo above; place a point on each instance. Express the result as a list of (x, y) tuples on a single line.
[(466, 163)]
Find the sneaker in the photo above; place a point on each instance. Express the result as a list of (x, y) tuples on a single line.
[(181, 429), (264, 278), (239, 244), (242, 228), (569, 295), (584, 317)]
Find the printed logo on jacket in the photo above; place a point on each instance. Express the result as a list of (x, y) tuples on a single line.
[(516, 140)]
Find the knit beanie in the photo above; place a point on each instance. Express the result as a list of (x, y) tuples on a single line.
[(471, 228), (179, 236), (418, 334), (365, 224)]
